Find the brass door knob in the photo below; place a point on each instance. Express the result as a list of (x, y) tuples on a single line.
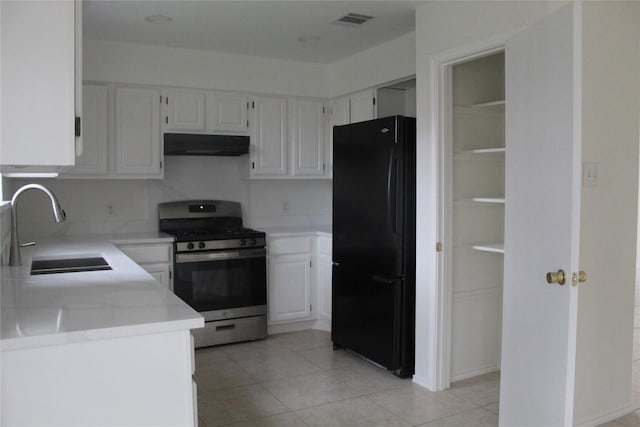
[(558, 277)]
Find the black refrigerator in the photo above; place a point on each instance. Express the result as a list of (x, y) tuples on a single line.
[(373, 284)]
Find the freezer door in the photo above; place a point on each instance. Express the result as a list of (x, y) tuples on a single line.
[(367, 196), (366, 316)]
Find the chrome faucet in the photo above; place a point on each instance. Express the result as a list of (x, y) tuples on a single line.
[(58, 214)]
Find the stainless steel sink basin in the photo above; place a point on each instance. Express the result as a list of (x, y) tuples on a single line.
[(68, 265)]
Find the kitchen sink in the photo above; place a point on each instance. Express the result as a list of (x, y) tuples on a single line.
[(68, 265)]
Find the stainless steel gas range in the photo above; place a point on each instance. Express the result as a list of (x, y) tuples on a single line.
[(219, 269)]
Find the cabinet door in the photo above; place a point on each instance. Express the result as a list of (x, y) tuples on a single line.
[(362, 106), (324, 286), (38, 83), (289, 288), (307, 137), (227, 112), (340, 111), (137, 131), (185, 110), (92, 160), (269, 137), (160, 272)]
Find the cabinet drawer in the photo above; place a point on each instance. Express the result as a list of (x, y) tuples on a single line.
[(147, 253), (290, 245)]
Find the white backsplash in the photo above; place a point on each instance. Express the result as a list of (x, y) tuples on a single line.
[(134, 202)]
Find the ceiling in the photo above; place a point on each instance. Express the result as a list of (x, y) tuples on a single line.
[(294, 30)]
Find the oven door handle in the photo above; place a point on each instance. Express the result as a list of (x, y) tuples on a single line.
[(220, 256)]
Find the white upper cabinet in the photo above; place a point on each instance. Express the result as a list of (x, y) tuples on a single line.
[(228, 112), (38, 80), (137, 132), (362, 106), (307, 126), (288, 138), (185, 110), (93, 158), (196, 111), (269, 137)]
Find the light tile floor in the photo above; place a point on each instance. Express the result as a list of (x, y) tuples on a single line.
[(297, 379)]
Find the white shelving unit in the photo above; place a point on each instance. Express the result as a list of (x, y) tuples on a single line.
[(477, 217)]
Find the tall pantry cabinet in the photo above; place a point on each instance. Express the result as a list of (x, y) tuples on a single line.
[(477, 184)]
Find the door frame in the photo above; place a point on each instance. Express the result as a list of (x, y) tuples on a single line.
[(440, 66)]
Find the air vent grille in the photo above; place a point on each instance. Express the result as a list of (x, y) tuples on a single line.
[(353, 19)]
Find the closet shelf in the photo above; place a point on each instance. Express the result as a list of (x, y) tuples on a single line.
[(494, 248), (487, 150), (498, 103), (498, 200)]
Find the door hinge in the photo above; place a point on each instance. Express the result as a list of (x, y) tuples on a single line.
[(324, 167), (78, 126), (160, 164), (323, 110), (374, 100), (310, 264), (310, 307), (438, 246), (160, 99), (253, 104), (166, 119), (253, 165), (170, 274), (166, 100)]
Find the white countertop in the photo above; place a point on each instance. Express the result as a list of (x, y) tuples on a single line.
[(63, 308), (302, 229)]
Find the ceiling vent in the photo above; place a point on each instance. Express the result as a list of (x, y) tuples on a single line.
[(353, 19)]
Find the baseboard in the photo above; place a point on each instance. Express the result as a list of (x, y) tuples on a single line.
[(474, 373), (609, 416), (422, 382), (281, 328)]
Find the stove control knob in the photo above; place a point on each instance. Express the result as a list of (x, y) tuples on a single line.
[(201, 245), (243, 242), (189, 245), (253, 242)]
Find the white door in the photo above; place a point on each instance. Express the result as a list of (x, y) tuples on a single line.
[(542, 216)]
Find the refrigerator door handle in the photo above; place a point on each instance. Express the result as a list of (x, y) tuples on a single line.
[(393, 195), (381, 279)]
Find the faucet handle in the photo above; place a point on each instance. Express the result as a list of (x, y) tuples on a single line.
[(24, 245)]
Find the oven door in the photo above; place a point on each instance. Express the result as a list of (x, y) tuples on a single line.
[(221, 280)]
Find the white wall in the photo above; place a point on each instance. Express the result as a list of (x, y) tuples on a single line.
[(377, 66), (441, 26), (157, 65)]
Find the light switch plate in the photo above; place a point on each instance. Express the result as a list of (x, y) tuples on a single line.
[(590, 174)]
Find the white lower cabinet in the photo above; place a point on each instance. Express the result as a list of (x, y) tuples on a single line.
[(290, 290), (299, 279), (324, 277), (155, 258)]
